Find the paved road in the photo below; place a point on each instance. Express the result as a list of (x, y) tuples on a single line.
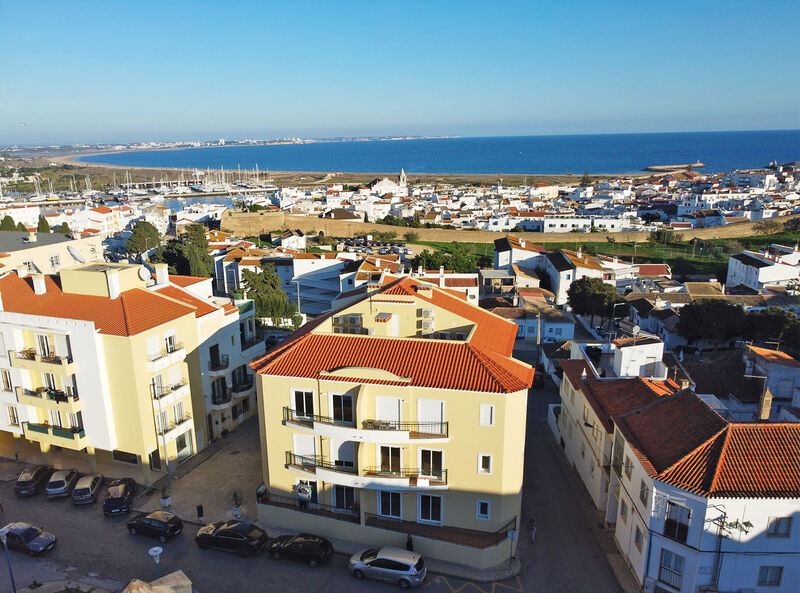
[(566, 557)]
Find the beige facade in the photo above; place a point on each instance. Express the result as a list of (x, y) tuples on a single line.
[(47, 253), (371, 429)]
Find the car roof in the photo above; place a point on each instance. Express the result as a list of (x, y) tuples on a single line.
[(308, 538), (86, 480), (18, 526), (30, 471), (119, 481), (399, 554), (159, 515), (61, 474)]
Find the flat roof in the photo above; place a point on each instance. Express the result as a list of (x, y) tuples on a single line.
[(11, 241)]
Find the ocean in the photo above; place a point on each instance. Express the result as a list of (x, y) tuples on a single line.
[(597, 153)]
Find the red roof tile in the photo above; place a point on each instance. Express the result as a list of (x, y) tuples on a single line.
[(200, 306), (774, 356), (184, 281)]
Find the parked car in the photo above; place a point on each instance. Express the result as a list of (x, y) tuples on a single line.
[(27, 538), (119, 498), (87, 489), (160, 524), (232, 536), (61, 483), (306, 547), (32, 480), (405, 568)]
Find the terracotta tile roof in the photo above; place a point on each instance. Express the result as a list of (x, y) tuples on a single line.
[(184, 281), (461, 282), (654, 270), (200, 306), (101, 210), (133, 312), (625, 342), (611, 399), (774, 356)]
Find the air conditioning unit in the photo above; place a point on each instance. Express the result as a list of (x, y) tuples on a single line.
[(427, 313), (427, 325), (338, 330)]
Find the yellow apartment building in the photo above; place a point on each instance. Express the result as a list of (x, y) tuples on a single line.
[(401, 413)]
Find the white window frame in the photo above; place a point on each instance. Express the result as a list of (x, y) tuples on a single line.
[(480, 464), (491, 414), (774, 527), (419, 509), (478, 514), (420, 449), (292, 403), (8, 384), (13, 415), (380, 504)]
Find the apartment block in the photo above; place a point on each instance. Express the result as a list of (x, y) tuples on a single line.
[(401, 413)]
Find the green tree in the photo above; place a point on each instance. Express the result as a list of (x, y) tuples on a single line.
[(22, 228), (65, 230), (265, 288), (792, 225), (767, 227), (717, 320), (144, 237), (457, 259), (771, 325), (586, 180), (196, 235), (43, 226), (7, 224), (412, 236), (592, 296)]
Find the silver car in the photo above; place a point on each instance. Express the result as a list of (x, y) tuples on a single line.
[(61, 483), (395, 565), (87, 489)]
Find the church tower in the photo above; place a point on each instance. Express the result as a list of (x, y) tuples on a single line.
[(403, 178)]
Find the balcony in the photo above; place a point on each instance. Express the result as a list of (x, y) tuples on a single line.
[(221, 399), (171, 431), (673, 578), (414, 477), (371, 431), (310, 463), (50, 399), (69, 438), (455, 535), (252, 341), (351, 515), (242, 386), (157, 361), (167, 395), (30, 360), (219, 365)]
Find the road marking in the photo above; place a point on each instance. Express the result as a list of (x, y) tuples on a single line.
[(494, 586)]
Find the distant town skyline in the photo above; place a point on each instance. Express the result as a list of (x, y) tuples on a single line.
[(89, 73)]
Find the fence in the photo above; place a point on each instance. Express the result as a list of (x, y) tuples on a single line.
[(455, 535)]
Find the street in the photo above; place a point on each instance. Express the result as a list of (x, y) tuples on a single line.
[(565, 558)]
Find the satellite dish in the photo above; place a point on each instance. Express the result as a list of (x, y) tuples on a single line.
[(635, 330), (76, 254), (144, 274)]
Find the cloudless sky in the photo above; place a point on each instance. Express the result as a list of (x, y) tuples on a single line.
[(80, 71)]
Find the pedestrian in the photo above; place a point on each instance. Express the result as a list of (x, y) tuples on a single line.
[(532, 529), (409, 543)]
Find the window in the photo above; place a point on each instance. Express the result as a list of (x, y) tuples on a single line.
[(779, 527), (484, 463), (770, 576), (161, 422), (623, 511), (171, 343), (430, 508), (55, 261), (389, 504), (13, 417), (7, 386), (343, 408), (643, 493), (245, 405), (671, 569), (586, 414), (676, 525), (487, 415), (638, 538), (344, 497), (125, 456), (178, 413), (304, 403), (431, 462), (482, 510), (49, 381), (628, 467)]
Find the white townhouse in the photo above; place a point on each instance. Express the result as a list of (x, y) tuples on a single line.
[(757, 271)]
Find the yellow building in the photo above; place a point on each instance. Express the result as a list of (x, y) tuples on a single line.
[(402, 413), (104, 361)]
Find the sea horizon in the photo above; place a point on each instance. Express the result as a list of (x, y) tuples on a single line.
[(552, 154)]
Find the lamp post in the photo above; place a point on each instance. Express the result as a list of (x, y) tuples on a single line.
[(3, 534), (155, 552)]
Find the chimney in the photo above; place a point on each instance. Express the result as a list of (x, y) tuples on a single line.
[(162, 273), (31, 237), (419, 270), (522, 243), (765, 405), (22, 271), (112, 278), (38, 284), (580, 252)]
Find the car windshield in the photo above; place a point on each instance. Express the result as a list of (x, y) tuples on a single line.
[(29, 534), (117, 491), (419, 565), (369, 555), (23, 483), (81, 491), (56, 484)]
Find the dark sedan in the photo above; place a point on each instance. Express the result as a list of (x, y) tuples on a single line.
[(232, 536), (306, 547), (32, 480), (160, 524), (27, 538), (119, 498)]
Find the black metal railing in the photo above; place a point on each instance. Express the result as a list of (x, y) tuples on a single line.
[(242, 385), (417, 429), (174, 347), (314, 461), (456, 535), (172, 425), (290, 415), (435, 476), (221, 396), (160, 391), (248, 343), (219, 364), (351, 515)]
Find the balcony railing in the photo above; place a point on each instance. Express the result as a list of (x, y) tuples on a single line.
[(437, 477), (416, 429), (239, 386), (290, 415), (456, 535), (312, 462), (219, 364), (165, 351), (221, 396), (27, 354), (32, 354), (173, 425), (66, 433), (248, 343), (671, 577), (160, 391), (55, 395), (352, 515)]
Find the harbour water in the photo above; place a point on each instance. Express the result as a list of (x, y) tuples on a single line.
[(601, 153)]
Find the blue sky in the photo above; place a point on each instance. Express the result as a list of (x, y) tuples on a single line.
[(124, 71)]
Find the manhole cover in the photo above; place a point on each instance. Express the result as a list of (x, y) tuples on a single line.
[(234, 452)]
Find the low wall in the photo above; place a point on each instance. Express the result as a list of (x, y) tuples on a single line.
[(362, 535)]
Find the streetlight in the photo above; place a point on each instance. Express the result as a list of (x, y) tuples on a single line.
[(3, 533), (155, 552)]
